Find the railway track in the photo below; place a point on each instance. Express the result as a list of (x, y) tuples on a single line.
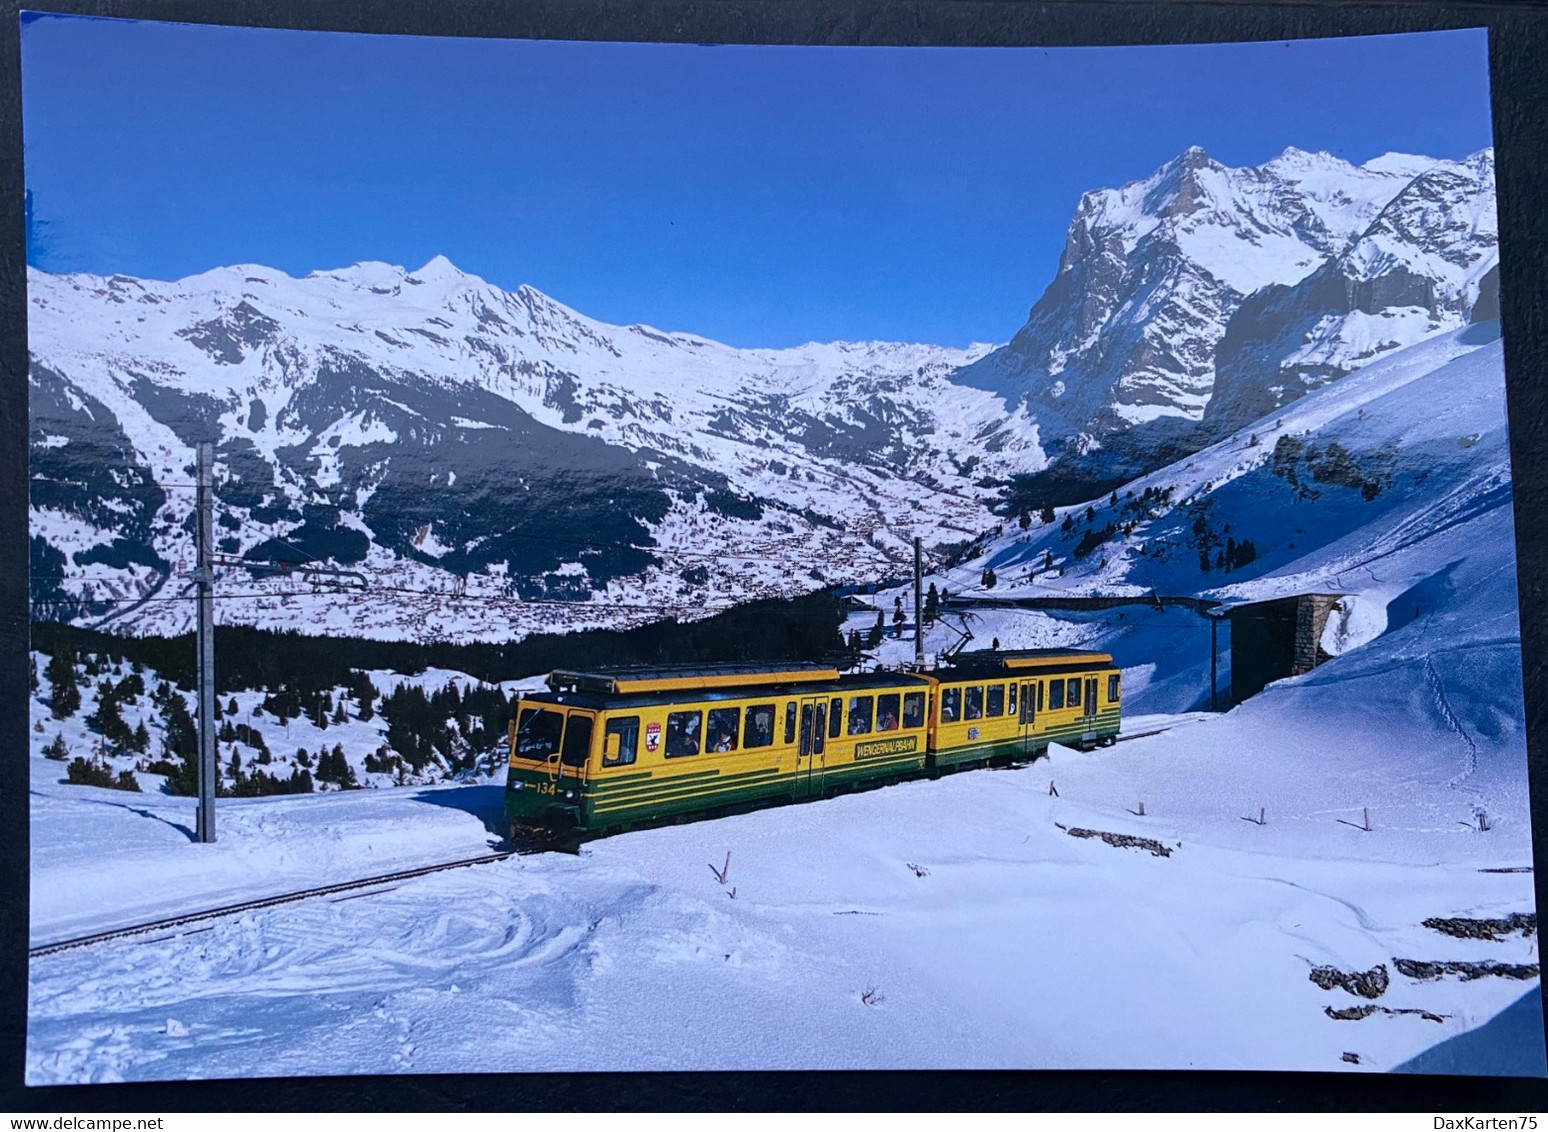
[(174, 922), (354, 887)]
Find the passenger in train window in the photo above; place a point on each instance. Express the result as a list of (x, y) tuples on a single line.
[(996, 701), (913, 709), (951, 704), (887, 712)]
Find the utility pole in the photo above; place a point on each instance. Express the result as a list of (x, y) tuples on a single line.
[(918, 605), (204, 578)]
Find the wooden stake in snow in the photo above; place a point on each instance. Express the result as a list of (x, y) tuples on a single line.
[(1052, 789), (720, 873), (1262, 816), (1142, 809), (1367, 819), (1483, 822)]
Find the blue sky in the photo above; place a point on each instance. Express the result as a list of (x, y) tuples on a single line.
[(762, 196)]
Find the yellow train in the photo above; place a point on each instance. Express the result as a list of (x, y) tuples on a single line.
[(606, 749)]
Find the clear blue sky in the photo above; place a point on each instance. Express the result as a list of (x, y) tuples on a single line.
[(762, 196)]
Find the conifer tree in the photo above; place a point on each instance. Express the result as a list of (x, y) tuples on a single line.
[(1047, 514), (231, 708), (932, 605), (989, 579), (874, 637), (1025, 520), (65, 692)]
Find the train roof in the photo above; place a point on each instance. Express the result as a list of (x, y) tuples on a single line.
[(597, 698), (671, 677), (1000, 660)]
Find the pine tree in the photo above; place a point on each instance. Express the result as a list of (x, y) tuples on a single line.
[(1113, 499), (1204, 559), (231, 708), (874, 637), (1025, 520), (57, 750), (342, 714), (64, 691), (854, 640), (932, 605), (1047, 514), (989, 579), (1090, 514), (141, 741)]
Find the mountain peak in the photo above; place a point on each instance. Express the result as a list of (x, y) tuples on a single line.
[(439, 270)]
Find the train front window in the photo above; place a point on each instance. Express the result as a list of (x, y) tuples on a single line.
[(1010, 703), (1112, 688), (621, 741), (860, 715), (951, 705), (722, 729), (759, 731), (913, 709), (537, 733), (682, 733), (974, 708), (996, 701), (577, 740), (887, 712)]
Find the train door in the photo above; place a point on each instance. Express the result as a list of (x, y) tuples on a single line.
[(1088, 713), (1027, 698), (811, 755)]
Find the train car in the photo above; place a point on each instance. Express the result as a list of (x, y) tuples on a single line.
[(606, 749), (1008, 706)]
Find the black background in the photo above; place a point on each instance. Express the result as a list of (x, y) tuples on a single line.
[(1518, 52)]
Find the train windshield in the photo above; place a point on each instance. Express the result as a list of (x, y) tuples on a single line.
[(537, 733)]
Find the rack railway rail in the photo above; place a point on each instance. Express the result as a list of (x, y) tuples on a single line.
[(537, 844)]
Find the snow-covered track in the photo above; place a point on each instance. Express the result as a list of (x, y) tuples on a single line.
[(267, 902)]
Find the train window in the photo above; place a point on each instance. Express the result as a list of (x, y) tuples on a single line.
[(1055, 695), (818, 742), (835, 718), (913, 709), (537, 734), (973, 706), (790, 722), (1072, 696), (621, 741), (887, 712), (1010, 703), (722, 729), (759, 731), (1039, 695), (860, 714), (682, 733), (951, 705), (1112, 689), (996, 701), (577, 740)]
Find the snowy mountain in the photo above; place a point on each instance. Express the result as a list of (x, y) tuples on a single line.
[(451, 438), (1118, 359), (1393, 480), (1418, 269)]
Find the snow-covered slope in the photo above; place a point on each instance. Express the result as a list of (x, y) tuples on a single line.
[(450, 435), (1120, 351)]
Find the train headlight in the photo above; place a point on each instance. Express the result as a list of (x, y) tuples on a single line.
[(518, 785), (569, 794)]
